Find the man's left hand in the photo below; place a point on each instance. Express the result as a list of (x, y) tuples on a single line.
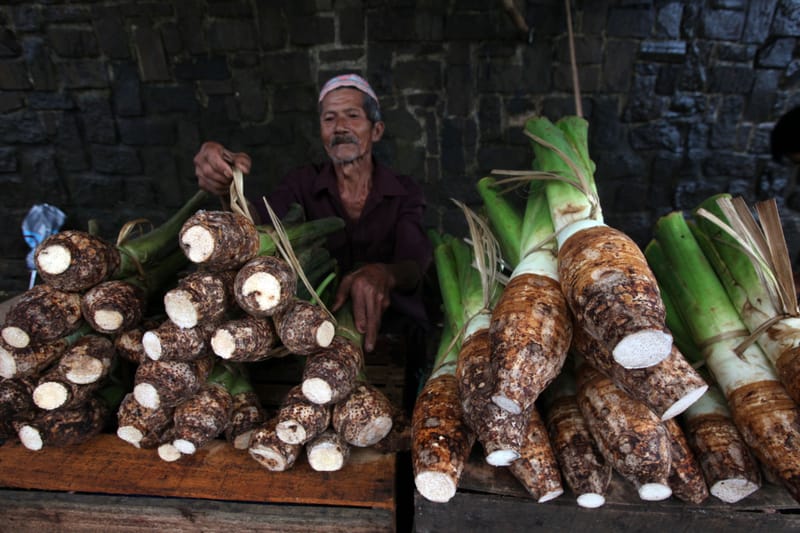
[(369, 289)]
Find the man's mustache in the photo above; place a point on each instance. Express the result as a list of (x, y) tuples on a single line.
[(343, 139)]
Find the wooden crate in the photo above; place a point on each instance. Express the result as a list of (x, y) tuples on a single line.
[(107, 484), (491, 499)]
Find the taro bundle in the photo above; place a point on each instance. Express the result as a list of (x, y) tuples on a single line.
[(441, 441), (568, 281), (754, 266), (223, 405), (763, 411), (72, 400), (585, 470), (77, 268), (76, 261), (731, 472), (502, 367), (59, 344), (609, 287), (332, 410), (218, 316), (610, 301), (531, 325), (454, 405)]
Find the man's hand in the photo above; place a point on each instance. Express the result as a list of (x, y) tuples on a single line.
[(214, 164), (368, 288)]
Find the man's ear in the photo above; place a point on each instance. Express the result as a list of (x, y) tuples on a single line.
[(377, 131)]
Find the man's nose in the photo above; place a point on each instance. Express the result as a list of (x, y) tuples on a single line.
[(340, 124)]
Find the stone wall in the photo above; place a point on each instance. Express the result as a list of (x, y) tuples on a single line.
[(104, 103)]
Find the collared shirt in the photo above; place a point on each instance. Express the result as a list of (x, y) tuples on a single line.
[(389, 230)]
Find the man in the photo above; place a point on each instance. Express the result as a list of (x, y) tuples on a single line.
[(384, 248)]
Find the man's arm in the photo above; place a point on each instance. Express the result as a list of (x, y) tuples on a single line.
[(213, 166), (369, 288)]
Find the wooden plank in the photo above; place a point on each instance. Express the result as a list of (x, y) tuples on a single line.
[(491, 499), (218, 471), (489, 513), (39, 511), (480, 477)]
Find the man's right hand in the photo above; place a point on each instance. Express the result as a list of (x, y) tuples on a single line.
[(213, 166)]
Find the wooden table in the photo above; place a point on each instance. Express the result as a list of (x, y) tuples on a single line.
[(490, 499), (109, 481), (107, 484)]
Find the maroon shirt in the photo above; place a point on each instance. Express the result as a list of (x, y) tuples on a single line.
[(390, 229)]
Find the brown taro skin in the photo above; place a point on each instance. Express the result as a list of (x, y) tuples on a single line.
[(209, 293), (531, 330), (441, 440), (788, 367), (537, 467), (246, 339), (769, 422), (300, 420), (659, 386), (722, 453), (496, 429), (155, 425), (45, 313), (119, 296), (258, 301), (582, 465), (235, 237), (297, 326), (93, 260), (271, 452), (246, 415), (16, 404), (81, 371), (80, 362), (608, 285), (128, 344), (70, 426), (364, 417), (204, 416), (338, 366), (686, 477), (174, 380), (628, 434), (179, 344), (30, 361), (76, 395)]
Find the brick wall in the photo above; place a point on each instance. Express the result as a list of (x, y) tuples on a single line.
[(104, 103)]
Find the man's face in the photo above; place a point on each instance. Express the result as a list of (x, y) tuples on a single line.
[(347, 134)]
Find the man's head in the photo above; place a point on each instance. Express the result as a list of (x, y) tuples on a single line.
[(785, 137), (349, 118)]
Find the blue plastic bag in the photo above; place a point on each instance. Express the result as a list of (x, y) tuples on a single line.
[(41, 221)]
